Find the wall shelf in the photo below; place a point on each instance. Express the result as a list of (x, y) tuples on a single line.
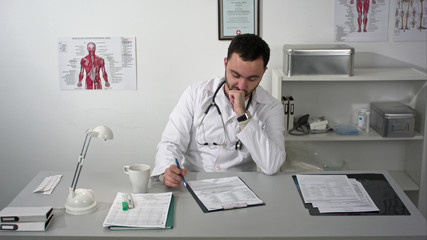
[(363, 74), (337, 97), (332, 136)]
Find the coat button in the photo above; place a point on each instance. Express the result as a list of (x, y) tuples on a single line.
[(217, 167)]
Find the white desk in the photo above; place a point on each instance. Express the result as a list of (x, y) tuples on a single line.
[(283, 216)]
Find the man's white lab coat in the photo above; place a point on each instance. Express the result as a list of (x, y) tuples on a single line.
[(262, 138)]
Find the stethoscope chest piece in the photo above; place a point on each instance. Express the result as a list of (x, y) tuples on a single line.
[(238, 145)]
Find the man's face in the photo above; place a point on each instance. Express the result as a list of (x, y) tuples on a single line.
[(243, 75)]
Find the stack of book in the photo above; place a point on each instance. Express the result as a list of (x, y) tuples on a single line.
[(25, 218)]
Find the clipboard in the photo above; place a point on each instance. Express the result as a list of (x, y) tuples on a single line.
[(206, 207), (378, 188)]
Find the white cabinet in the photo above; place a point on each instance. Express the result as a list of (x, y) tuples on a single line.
[(338, 98)]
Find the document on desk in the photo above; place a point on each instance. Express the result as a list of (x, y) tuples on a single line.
[(150, 211), (48, 184), (223, 193), (335, 193)]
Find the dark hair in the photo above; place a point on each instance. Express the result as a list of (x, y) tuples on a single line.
[(249, 47)]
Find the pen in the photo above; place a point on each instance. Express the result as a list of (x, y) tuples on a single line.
[(130, 201), (179, 167)]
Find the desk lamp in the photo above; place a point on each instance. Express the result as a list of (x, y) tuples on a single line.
[(81, 201)]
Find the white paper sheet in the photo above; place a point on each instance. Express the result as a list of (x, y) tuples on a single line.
[(325, 187), (335, 193), (224, 193), (48, 184), (150, 211)]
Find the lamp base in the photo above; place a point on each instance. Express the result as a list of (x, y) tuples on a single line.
[(80, 201)]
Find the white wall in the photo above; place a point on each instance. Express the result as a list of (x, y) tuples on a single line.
[(42, 127)]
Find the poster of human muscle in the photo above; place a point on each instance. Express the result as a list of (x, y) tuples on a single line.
[(97, 63), (361, 20)]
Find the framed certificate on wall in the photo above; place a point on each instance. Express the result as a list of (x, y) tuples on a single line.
[(237, 17)]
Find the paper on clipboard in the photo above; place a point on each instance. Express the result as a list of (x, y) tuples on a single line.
[(223, 193)]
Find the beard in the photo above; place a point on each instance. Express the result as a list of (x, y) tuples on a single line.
[(236, 88)]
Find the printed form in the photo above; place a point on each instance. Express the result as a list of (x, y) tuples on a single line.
[(335, 193), (224, 193), (150, 211)]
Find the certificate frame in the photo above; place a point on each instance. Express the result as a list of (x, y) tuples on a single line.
[(237, 17)]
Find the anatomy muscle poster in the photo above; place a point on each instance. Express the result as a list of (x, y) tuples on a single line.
[(361, 20), (97, 63)]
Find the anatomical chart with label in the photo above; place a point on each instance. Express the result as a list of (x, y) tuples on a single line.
[(97, 63), (361, 20)]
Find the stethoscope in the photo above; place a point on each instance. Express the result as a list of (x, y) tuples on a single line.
[(238, 144)]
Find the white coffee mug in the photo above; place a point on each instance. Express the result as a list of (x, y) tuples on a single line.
[(139, 175)]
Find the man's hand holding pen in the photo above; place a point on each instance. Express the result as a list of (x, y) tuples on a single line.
[(173, 176)]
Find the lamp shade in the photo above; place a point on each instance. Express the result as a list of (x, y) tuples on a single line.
[(103, 132)]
